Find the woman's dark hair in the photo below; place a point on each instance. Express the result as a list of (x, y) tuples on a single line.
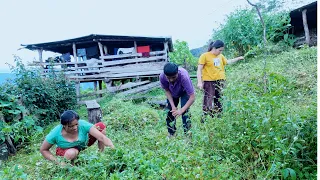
[(68, 116), (170, 69), (215, 44)]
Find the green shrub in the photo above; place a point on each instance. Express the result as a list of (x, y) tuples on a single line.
[(13, 124), (46, 97), (243, 31), (182, 56)]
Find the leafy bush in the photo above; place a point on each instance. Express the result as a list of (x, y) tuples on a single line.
[(12, 122), (46, 97), (182, 55), (243, 31)]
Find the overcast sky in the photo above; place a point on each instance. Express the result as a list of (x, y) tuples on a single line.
[(37, 21)]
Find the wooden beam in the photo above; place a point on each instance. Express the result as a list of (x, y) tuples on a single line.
[(105, 48), (131, 55), (35, 63), (40, 55), (126, 86), (90, 61), (166, 48), (113, 78), (120, 56), (100, 49), (135, 46), (111, 75), (74, 48), (305, 26), (118, 70), (114, 69), (129, 61), (140, 89), (41, 60)]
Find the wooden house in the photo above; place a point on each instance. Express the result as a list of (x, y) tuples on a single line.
[(127, 64)]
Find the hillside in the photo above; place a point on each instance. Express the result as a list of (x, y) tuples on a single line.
[(196, 52), (261, 135)]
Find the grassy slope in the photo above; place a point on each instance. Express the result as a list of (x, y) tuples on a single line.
[(260, 135)]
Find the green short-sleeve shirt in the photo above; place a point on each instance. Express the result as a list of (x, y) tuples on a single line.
[(55, 136)]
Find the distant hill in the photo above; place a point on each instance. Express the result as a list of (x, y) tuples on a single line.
[(198, 51)]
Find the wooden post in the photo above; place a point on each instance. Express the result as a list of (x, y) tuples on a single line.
[(135, 51), (94, 111), (105, 48), (74, 48), (100, 87), (40, 55), (95, 87), (166, 50), (75, 54), (101, 48), (40, 59), (135, 46), (305, 26)]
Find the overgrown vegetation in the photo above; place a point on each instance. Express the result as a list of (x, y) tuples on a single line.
[(30, 102), (182, 56), (260, 135), (242, 31)]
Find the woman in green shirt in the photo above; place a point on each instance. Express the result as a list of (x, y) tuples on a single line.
[(74, 135)]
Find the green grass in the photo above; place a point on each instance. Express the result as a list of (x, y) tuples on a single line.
[(260, 135)]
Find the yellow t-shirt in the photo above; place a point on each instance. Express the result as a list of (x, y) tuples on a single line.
[(213, 66)]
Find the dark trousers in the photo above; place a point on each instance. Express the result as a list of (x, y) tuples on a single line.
[(171, 121), (212, 95)]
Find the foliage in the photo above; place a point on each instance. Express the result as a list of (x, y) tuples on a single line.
[(182, 55), (260, 135), (45, 97), (242, 30), (13, 124), (276, 130)]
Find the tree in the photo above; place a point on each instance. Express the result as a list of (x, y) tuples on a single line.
[(182, 55)]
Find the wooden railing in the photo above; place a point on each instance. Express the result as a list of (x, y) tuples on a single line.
[(112, 66)]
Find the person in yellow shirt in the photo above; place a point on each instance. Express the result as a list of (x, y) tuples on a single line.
[(211, 77)]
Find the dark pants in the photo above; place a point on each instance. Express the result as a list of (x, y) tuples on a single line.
[(212, 95), (171, 121)]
